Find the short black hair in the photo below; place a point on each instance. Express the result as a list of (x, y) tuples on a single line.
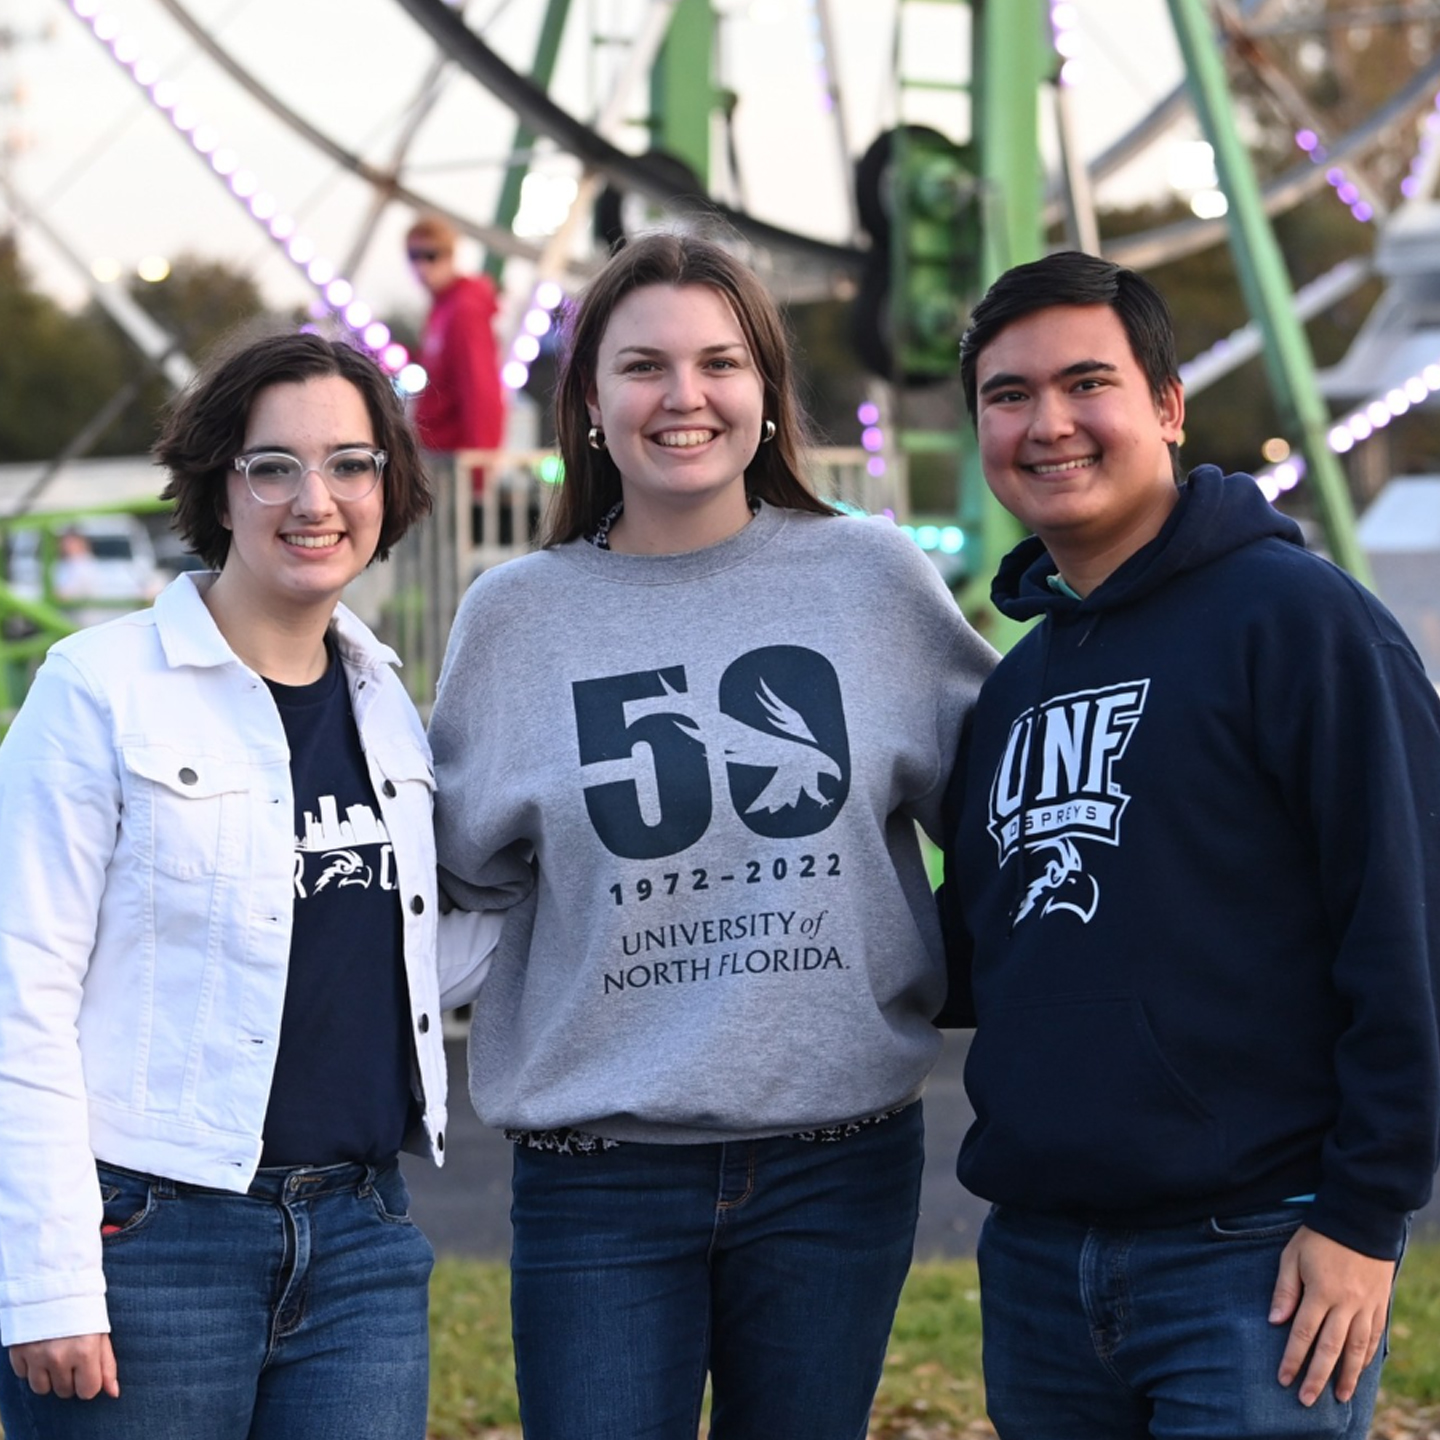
[(204, 429), (1071, 277)]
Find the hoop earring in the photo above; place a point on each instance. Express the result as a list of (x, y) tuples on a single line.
[(769, 432), (596, 438)]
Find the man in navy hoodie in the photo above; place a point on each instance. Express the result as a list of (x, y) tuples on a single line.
[(1193, 905)]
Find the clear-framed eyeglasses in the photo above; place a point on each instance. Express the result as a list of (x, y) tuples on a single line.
[(275, 477)]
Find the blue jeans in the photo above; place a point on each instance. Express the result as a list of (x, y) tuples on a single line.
[(296, 1310), (1108, 1334), (774, 1264)]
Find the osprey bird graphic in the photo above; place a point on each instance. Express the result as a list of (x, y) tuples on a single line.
[(794, 754), (346, 864), (1064, 880)]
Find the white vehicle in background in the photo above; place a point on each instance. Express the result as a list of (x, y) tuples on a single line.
[(100, 565)]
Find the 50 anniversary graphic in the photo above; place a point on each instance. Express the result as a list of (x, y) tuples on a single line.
[(657, 759), (654, 753)]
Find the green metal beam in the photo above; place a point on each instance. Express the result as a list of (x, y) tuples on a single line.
[(1265, 283), (507, 207), (682, 87), (28, 628), (1013, 60)]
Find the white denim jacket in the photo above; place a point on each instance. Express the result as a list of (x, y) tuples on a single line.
[(146, 836)]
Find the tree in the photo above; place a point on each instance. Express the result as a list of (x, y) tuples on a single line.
[(198, 304), (56, 369)]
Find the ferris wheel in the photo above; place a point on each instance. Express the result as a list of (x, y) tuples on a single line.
[(519, 123)]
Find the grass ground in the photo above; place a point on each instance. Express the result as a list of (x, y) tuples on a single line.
[(931, 1389)]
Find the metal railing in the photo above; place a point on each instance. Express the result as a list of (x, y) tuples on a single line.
[(413, 600)]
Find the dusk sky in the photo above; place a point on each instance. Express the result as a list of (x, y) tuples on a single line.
[(109, 173)]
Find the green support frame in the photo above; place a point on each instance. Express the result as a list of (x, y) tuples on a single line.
[(683, 97), (1266, 285), (29, 627), (1013, 60)]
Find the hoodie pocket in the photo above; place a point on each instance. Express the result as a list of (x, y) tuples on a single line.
[(1077, 1107)]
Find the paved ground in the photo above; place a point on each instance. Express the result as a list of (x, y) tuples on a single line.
[(465, 1209)]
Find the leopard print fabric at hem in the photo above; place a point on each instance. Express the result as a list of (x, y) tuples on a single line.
[(566, 1141), (561, 1142)]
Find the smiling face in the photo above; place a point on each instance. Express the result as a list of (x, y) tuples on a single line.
[(681, 401), (301, 554), (1072, 441)]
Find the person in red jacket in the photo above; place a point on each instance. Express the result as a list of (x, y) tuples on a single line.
[(463, 406)]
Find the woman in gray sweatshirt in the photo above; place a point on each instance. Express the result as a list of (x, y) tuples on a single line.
[(690, 740)]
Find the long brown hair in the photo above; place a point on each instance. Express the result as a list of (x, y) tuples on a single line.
[(592, 482)]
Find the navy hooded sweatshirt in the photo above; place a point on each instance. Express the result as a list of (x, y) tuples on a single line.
[(1193, 894)]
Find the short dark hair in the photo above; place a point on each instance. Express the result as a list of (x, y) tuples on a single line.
[(1071, 277), (203, 430), (592, 481)]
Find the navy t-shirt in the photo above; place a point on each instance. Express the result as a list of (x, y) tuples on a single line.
[(342, 1077)]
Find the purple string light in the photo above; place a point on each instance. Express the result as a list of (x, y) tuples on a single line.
[(1345, 189), (1067, 40), (337, 292)]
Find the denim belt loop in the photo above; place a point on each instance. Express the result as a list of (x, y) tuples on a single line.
[(301, 1182)]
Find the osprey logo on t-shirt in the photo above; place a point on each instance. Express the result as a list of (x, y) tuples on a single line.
[(331, 852), (1056, 785), (655, 753)]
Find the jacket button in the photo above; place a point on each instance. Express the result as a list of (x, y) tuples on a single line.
[(389, 789), (417, 904), (188, 776), (424, 1024)]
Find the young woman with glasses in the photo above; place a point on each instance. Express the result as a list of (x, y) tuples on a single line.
[(696, 733), (219, 1002)]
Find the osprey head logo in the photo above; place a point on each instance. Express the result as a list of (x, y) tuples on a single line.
[(346, 866), (1062, 882), (1056, 786)]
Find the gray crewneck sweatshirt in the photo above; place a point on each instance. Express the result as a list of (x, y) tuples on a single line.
[(710, 766)]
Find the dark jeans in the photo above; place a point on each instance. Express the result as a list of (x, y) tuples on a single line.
[(296, 1310), (774, 1264), (1101, 1334)]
